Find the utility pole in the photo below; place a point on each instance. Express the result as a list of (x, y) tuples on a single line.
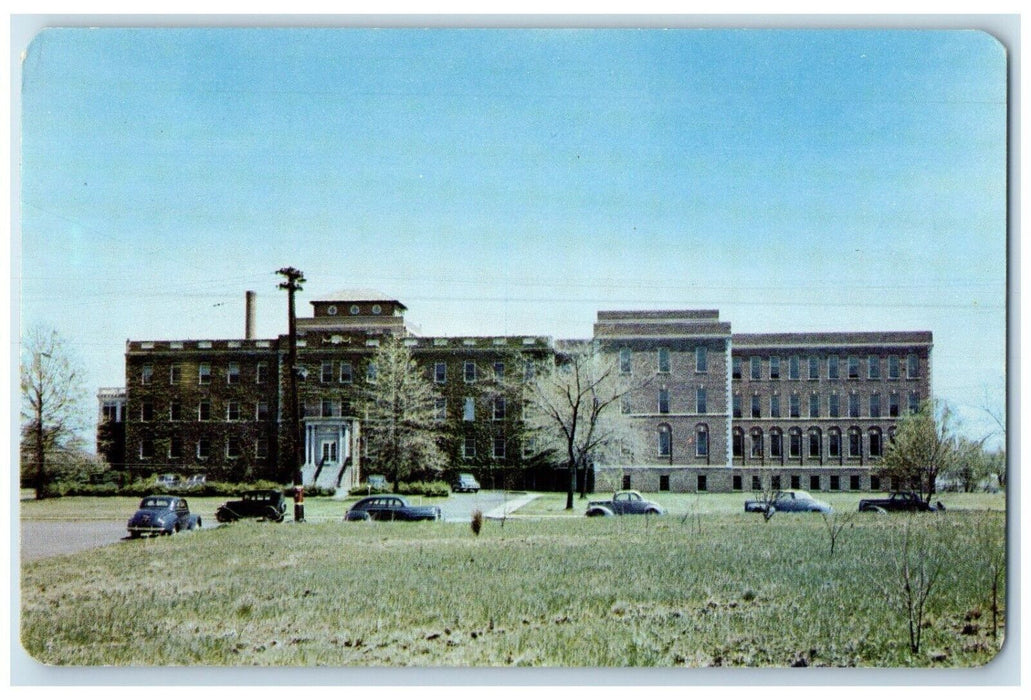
[(294, 280)]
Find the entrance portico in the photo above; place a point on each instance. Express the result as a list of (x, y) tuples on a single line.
[(330, 452)]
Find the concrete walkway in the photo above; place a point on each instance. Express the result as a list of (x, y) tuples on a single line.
[(509, 506)]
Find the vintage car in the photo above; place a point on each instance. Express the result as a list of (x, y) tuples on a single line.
[(196, 481), (390, 507), (787, 502), (900, 501), (465, 483), (167, 480), (624, 503), (266, 504), (162, 515)]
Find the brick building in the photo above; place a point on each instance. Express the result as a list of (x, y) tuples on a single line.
[(722, 411)]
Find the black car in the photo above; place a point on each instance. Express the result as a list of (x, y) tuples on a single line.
[(162, 515), (465, 483), (900, 501), (267, 504), (624, 503), (390, 507)]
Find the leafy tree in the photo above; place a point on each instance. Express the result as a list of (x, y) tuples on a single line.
[(53, 397), (573, 408), (924, 447), (402, 430)]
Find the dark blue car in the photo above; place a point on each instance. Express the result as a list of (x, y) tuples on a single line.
[(390, 508), (162, 515)]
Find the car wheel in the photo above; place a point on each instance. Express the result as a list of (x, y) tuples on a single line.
[(273, 514), (134, 535)]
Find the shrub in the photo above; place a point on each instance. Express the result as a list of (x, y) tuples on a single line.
[(477, 522)]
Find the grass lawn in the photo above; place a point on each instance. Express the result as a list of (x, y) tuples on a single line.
[(728, 589)]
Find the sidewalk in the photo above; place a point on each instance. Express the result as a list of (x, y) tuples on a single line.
[(509, 506)]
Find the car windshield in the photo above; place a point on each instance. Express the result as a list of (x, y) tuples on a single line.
[(155, 503)]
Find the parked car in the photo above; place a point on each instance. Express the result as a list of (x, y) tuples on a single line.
[(390, 507), (899, 501), (167, 480), (267, 504), (624, 503), (787, 502), (378, 481), (465, 483), (162, 515), (196, 481)]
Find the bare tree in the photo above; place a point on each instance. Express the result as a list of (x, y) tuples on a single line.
[(400, 404), (53, 398), (924, 447), (573, 407), (835, 523), (917, 561)]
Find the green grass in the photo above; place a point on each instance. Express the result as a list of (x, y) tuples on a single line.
[(726, 590)]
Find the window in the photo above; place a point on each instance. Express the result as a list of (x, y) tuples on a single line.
[(814, 367), (204, 410), (233, 448), (175, 374), (663, 400), (793, 367), (739, 442), (834, 443), (814, 405), (529, 371), (815, 443), (875, 442), (795, 443), (853, 482), (175, 448), (756, 412), (626, 481), (261, 373), (469, 409), (203, 448), (912, 366), (664, 482), (756, 483), (702, 483), (914, 402), (757, 443), (370, 373), (326, 375), (832, 366), (233, 373), (736, 482), (873, 367), (624, 404), (756, 367), (701, 359), (853, 405), (469, 369), (146, 449), (664, 360), (624, 361), (776, 444), (835, 482), (440, 372), (774, 367), (327, 408), (853, 367), (893, 366), (346, 373), (469, 447), (875, 483), (700, 400), (499, 447), (796, 481), (146, 374), (261, 410), (875, 405), (795, 406), (499, 408), (701, 441), (855, 443), (499, 371), (737, 405), (175, 411), (439, 409), (834, 406), (735, 368), (147, 411), (775, 482), (775, 406), (664, 440), (204, 373), (233, 410), (261, 448), (893, 405), (814, 482)]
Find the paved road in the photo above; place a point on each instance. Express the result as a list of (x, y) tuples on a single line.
[(48, 538)]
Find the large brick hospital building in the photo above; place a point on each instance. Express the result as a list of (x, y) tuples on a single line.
[(720, 411)]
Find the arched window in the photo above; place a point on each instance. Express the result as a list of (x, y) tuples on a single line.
[(757, 443), (701, 433), (834, 443), (815, 442), (876, 446), (739, 442), (795, 443), (665, 440), (776, 443), (855, 442)]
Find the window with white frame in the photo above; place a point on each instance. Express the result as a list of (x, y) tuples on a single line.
[(469, 370), (233, 373), (893, 405), (735, 368), (440, 372), (203, 448), (499, 408), (701, 400), (855, 443), (814, 405), (873, 367), (755, 368), (624, 361), (261, 410), (146, 449), (146, 374), (756, 411), (469, 409), (757, 443), (834, 405), (876, 446), (701, 441), (663, 400), (204, 410), (175, 447), (175, 410), (701, 359), (795, 443), (795, 406), (834, 443), (893, 366), (853, 367), (775, 406), (499, 447), (439, 409), (912, 366), (814, 367), (346, 373), (832, 366), (469, 447), (793, 367), (175, 374), (326, 375), (147, 411), (204, 373), (233, 448), (776, 443), (233, 410), (774, 367), (853, 405), (499, 371), (664, 441), (875, 405), (261, 373), (664, 363), (815, 443)]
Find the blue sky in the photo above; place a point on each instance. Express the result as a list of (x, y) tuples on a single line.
[(517, 181)]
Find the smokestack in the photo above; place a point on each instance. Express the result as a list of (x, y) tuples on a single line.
[(248, 330)]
